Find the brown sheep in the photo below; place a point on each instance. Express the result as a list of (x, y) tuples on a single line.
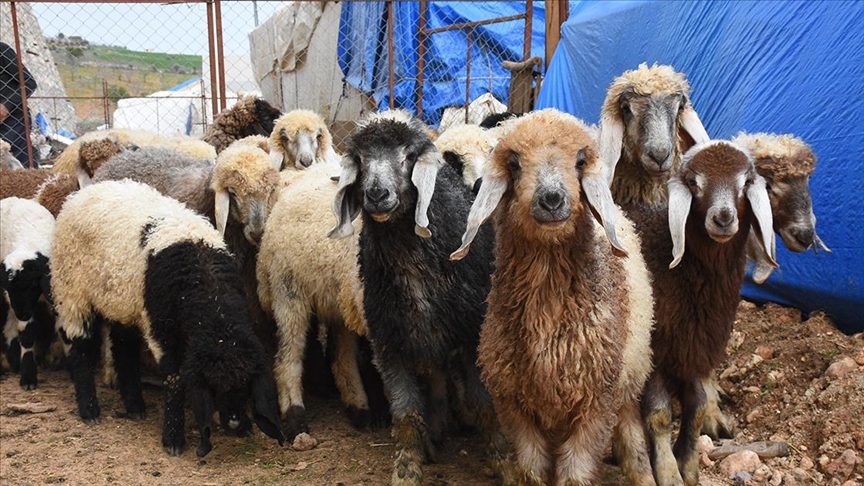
[(714, 199), (22, 183), (647, 122), (249, 116), (565, 345)]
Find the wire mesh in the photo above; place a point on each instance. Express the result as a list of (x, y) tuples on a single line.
[(147, 65)]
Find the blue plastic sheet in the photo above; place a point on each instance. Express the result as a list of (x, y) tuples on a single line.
[(780, 66), (363, 51)]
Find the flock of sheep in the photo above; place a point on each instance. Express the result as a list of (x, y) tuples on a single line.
[(604, 287)]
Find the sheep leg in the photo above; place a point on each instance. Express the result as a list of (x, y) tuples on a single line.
[(83, 357), (629, 446), (716, 424), (409, 428), (174, 420), (125, 346), (27, 340), (346, 372), (577, 456), (10, 333), (437, 409), (203, 408), (292, 320), (533, 463), (109, 373), (692, 413), (657, 416)]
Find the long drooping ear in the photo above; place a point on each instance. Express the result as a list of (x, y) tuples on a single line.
[(345, 205), (762, 267), (679, 209), (277, 157), (818, 242), (423, 178), (595, 184), (265, 406), (222, 207), (491, 190), (610, 139), (691, 124), (757, 194), (203, 406), (82, 176)]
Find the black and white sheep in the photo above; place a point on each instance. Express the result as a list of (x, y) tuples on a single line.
[(565, 347), (715, 198), (26, 230), (423, 312), (164, 275)]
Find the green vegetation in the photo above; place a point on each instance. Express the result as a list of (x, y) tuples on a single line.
[(144, 60)]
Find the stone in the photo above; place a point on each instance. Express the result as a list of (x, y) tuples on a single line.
[(754, 415), (742, 477), (806, 463), (731, 370), (800, 474), (766, 352), (753, 389), (843, 466), (841, 368), (704, 444), (762, 474), (789, 480), (304, 442), (776, 478), (705, 460), (859, 358), (823, 462), (849, 483), (740, 461)]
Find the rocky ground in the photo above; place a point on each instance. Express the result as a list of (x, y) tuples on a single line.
[(800, 383)]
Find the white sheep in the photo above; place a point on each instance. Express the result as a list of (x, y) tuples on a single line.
[(163, 274), (26, 231), (299, 139)]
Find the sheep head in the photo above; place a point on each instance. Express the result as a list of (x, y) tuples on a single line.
[(715, 189), (786, 162), (537, 178), (300, 138), (92, 154), (646, 114), (466, 148), (389, 168), (244, 183)]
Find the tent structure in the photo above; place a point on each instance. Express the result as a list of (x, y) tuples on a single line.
[(171, 112), (363, 57), (783, 67)]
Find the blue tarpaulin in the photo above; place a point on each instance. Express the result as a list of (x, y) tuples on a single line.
[(364, 61), (783, 67)]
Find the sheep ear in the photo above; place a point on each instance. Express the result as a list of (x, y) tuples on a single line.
[(691, 124), (611, 137), (596, 187), (83, 177), (265, 406), (757, 194), (818, 242), (203, 407), (277, 157), (763, 268), (423, 178), (222, 206), (491, 191), (679, 208), (345, 206)]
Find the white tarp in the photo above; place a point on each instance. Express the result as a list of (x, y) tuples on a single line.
[(483, 106), (281, 40), (164, 112)]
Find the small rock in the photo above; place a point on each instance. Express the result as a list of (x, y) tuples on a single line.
[(704, 444), (463, 453), (762, 474), (859, 358), (742, 477), (843, 466), (18, 408), (156, 474), (803, 448), (304, 442), (766, 352), (739, 461), (752, 389), (754, 415), (776, 478), (774, 376), (731, 370), (705, 460), (806, 463), (849, 483), (800, 474), (823, 462), (841, 367), (789, 480)]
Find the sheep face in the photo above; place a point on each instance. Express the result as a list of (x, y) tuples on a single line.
[(265, 117), (541, 176), (718, 188), (245, 186), (651, 128), (389, 168), (23, 275), (792, 208), (299, 138)]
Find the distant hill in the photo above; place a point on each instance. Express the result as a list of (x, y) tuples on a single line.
[(83, 66)]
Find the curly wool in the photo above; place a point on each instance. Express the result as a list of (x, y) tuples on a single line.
[(645, 81), (240, 121), (784, 156), (22, 183), (471, 144), (259, 141), (54, 192), (245, 170)]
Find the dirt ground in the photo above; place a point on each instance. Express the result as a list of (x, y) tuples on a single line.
[(785, 394)]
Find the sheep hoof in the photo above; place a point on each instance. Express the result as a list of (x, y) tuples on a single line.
[(92, 421), (204, 449), (406, 473), (135, 416), (718, 426), (174, 451), (28, 386), (90, 413), (359, 417), (296, 422)]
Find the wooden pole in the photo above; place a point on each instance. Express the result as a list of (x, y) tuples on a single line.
[(557, 12)]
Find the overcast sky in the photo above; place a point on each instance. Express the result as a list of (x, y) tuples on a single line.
[(179, 28)]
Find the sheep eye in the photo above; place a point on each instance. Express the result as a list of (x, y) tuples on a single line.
[(691, 181), (580, 160), (320, 135), (513, 162)]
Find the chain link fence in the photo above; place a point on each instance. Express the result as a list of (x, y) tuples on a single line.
[(147, 65)]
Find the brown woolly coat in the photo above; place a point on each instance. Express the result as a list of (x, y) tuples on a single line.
[(236, 123), (49, 190)]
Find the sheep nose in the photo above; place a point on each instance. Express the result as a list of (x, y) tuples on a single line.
[(659, 156), (804, 236), (723, 219), (376, 194), (305, 160), (552, 201)]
